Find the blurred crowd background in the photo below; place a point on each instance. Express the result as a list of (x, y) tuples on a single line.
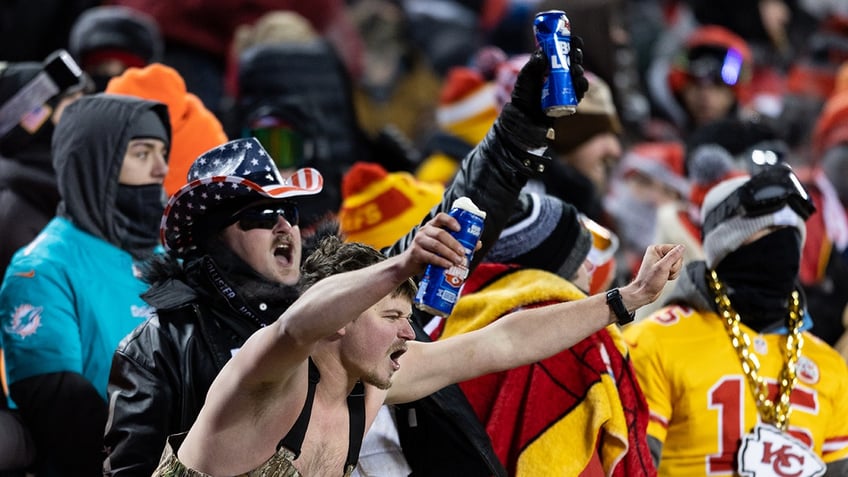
[(683, 94), (386, 97)]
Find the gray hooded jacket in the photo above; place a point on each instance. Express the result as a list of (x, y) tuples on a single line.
[(89, 145)]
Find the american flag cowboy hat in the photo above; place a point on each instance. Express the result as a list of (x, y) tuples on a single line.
[(235, 170)]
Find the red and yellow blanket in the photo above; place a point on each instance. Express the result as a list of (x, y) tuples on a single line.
[(577, 413)]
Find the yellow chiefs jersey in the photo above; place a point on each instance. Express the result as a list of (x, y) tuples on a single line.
[(701, 403)]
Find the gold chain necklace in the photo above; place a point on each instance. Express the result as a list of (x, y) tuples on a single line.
[(776, 413)]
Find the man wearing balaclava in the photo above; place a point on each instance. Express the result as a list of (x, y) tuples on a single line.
[(734, 381), (72, 294)]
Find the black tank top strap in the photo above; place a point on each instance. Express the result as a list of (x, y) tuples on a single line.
[(356, 410), (294, 439)]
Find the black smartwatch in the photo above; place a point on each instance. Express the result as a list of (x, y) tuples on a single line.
[(618, 308)]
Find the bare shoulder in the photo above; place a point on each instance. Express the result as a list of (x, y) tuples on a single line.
[(240, 426)]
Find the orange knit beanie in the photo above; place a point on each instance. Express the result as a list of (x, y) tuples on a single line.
[(195, 129)]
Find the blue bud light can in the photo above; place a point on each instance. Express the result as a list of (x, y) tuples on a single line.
[(553, 33), (439, 290)]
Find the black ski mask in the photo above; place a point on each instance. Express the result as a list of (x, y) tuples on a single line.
[(761, 275), (138, 212)]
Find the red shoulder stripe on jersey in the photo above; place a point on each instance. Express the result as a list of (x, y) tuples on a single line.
[(834, 444)]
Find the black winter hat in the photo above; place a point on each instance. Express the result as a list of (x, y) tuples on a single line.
[(113, 27)]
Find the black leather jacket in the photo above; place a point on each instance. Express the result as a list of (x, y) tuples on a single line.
[(154, 393), (162, 371)]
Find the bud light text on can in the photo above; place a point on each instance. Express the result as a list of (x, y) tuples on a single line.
[(553, 33), (439, 289)]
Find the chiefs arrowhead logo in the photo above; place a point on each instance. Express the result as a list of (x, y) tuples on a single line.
[(769, 452)]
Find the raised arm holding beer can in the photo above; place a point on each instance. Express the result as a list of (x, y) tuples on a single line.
[(553, 34)]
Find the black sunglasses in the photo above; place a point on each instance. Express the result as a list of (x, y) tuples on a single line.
[(769, 191), (265, 216)]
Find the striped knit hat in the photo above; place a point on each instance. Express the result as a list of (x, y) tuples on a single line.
[(544, 233)]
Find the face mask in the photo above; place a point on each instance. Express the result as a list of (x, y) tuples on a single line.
[(138, 213), (761, 275)]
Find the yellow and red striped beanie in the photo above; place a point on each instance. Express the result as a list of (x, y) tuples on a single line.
[(380, 207)]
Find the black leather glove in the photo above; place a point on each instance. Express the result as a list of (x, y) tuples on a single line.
[(523, 128), (578, 78), (527, 93)]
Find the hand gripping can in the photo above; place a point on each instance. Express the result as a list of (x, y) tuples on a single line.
[(439, 289), (553, 33)]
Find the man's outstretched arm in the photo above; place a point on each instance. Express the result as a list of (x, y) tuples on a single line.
[(528, 335)]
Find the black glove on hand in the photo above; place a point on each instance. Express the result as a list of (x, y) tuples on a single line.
[(578, 77), (527, 93), (523, 128)]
